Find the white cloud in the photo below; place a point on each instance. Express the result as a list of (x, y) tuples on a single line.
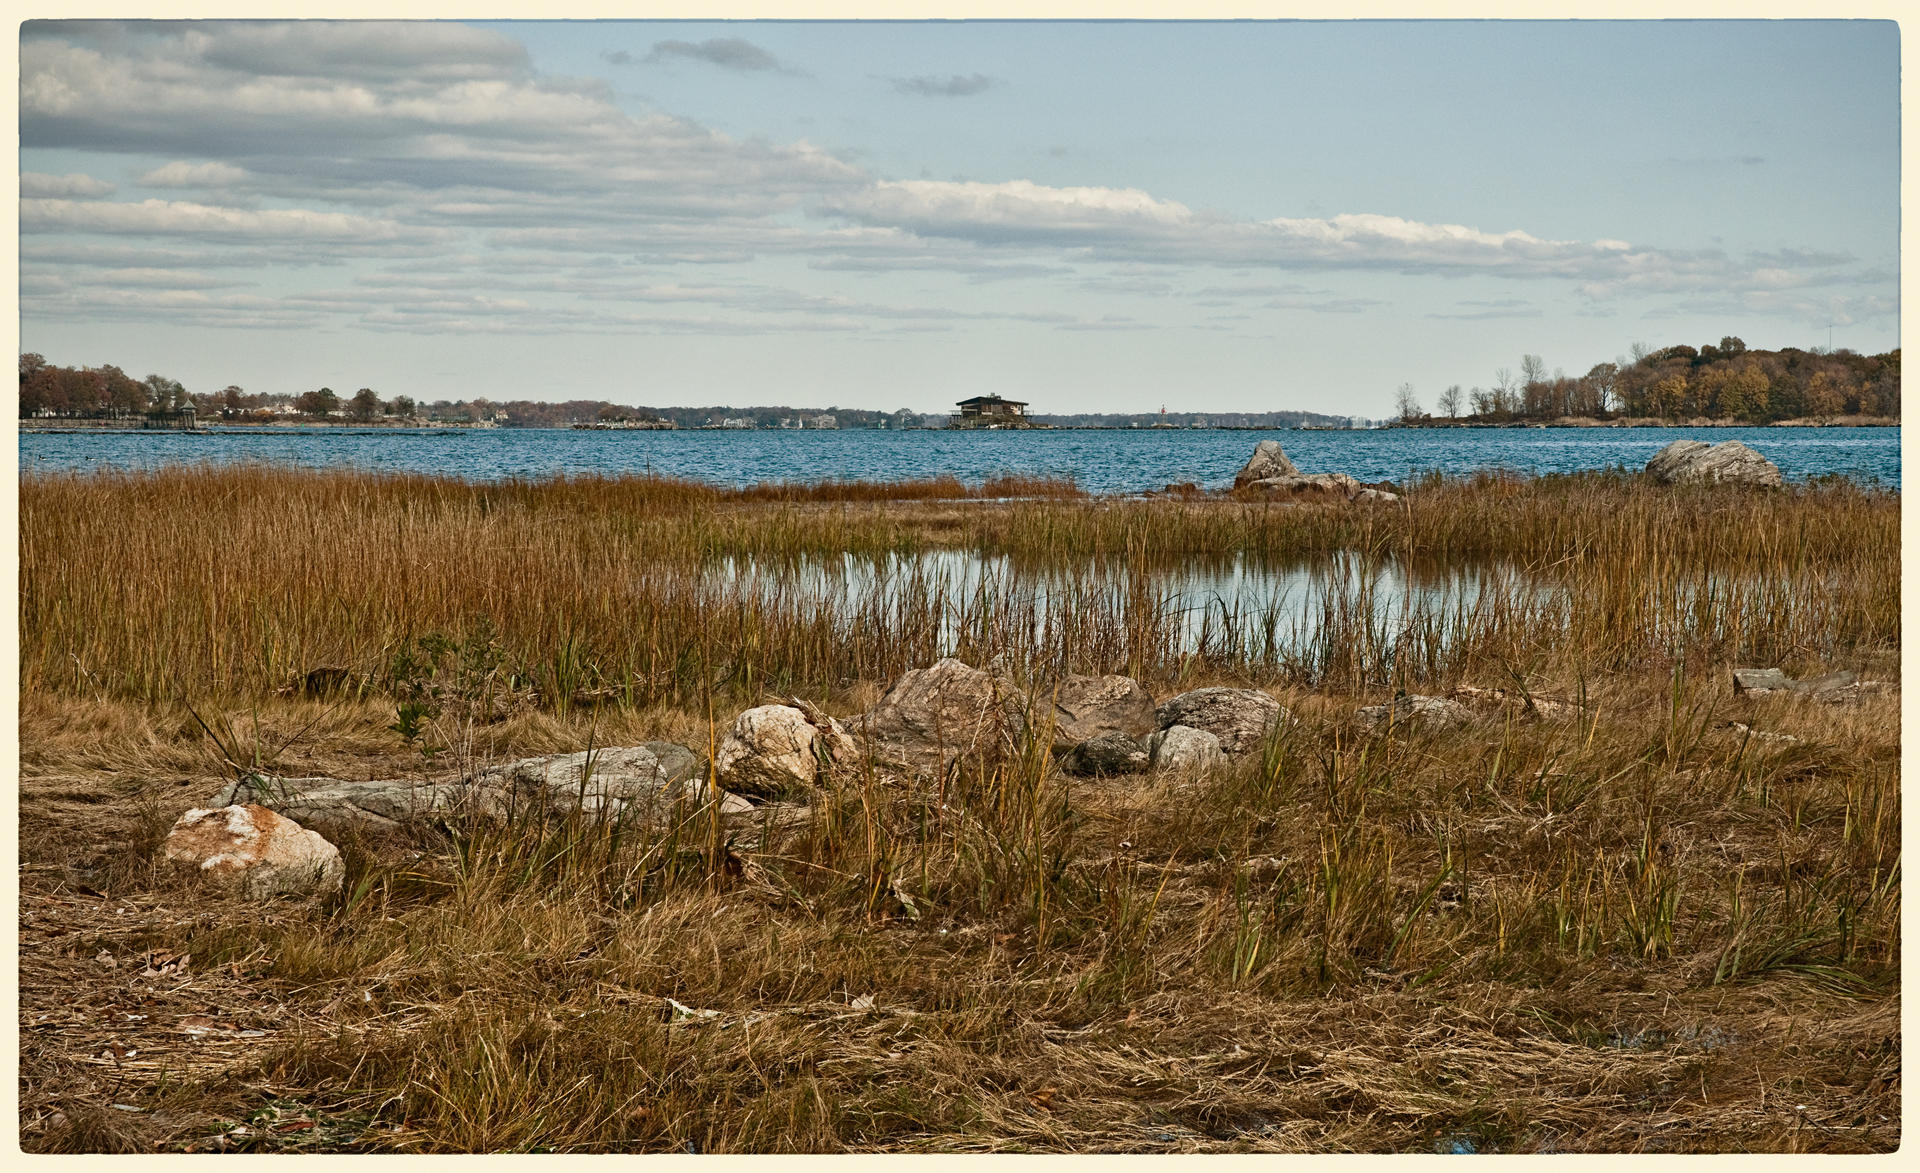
[(170, 218), (183, 174), (75, 186)]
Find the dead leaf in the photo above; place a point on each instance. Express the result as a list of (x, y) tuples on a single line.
[(1043, 1099)]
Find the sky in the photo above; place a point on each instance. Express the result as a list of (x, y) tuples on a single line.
[(1114, 217)]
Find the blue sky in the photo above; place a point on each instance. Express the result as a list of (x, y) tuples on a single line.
[(1092, 216)]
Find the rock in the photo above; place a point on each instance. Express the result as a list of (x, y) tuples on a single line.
[(255, 852), (1331, 484), (1530, 705), (1108, 753), (1085, 707), (932, 716), (1426, 712), (1183, 749), (340, 807), (778, 750), (1692, 461), (1760, 735), (621, 782), (1760, 681), (677, 761), (1268, 460), (1240, 718)]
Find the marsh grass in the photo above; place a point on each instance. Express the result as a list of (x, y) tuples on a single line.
[(1619, 929), (235, 582)]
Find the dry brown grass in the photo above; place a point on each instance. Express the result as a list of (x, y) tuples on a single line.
[(1625, 931)]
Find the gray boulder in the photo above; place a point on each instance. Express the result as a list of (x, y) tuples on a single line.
[(774, 751), (1425, 712), (1106, 754), (1694, 462), (1181, 749), (1239, 718), (932, 716), (1268, 460), (1085, 707), (254, 852)]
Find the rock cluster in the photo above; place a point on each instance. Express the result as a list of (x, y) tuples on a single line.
[(1269, 472), (1693, 461), (1239, 719)]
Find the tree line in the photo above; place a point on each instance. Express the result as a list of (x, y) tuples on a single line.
[(1724, 381)]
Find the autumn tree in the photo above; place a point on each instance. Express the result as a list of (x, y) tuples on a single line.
[(321, 402), (1449, 402), (365, 404)]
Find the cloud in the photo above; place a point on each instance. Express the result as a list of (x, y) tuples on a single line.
[(1479, 311), (182, 174), (951, 86), (1131, 226), (377, 143), (168, 218), (726, 52), (74, 186)]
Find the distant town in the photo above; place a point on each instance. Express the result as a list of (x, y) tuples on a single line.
[(106, 397)]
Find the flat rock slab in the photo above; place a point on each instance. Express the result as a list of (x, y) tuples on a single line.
[(1424, 712), (1765, 680), (1530, 704), (621, 782)]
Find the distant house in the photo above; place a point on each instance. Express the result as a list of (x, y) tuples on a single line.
[(823, 420), (991, 407)]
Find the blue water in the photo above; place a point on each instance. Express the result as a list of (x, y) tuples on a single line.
[(1125, 461)]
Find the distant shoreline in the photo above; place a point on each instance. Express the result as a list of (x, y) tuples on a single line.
[(70, 428)]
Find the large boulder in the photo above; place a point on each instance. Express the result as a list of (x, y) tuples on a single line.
[(1693, 461), (254, 852), (1424, 712), (932, 716), (1240, 718), (620, 782), (779, 750), (1104, 755), (1181, 749), (1085, 707), (1268, 460)]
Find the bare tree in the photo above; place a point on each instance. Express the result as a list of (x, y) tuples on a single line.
[(1449, 402), (1405, 403), (1505, 391)]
